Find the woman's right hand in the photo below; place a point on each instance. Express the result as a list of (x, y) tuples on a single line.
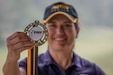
[(16, 43)]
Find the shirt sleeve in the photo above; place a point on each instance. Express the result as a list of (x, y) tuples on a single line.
[(23, 64)]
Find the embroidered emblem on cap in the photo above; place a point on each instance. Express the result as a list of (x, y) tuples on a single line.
[(60, 6)]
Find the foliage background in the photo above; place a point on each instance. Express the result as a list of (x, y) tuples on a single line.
[(95, 41)]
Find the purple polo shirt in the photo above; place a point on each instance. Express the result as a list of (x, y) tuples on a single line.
[(79, 66)]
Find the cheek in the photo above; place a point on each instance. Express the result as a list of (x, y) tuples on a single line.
[(75, 34), (50, 35), (72, 33)]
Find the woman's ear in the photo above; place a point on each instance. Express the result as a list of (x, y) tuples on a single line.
[(77, 29)]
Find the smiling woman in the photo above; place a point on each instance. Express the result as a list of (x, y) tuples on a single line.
[(94, 41), (60, 59)]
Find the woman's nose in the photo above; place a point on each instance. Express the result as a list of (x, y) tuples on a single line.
[(60, 30)]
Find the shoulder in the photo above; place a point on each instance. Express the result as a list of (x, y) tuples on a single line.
[(23, 64), (91, 67), (41, 58), (45, 58)]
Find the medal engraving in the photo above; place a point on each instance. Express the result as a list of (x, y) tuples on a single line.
[(37, 32)]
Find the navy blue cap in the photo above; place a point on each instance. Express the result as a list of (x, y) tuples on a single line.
[(60, 8)]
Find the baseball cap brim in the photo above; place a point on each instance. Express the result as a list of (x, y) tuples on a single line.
[(74, 20)]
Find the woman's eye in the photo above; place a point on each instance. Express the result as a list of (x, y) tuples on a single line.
[(52, 25), (68, 25)]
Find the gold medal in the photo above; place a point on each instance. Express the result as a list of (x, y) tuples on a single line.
[(37, 32)]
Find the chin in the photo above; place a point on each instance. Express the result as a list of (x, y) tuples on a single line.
[(60, 47)]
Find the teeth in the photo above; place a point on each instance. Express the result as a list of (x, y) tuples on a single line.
[(59, 39)]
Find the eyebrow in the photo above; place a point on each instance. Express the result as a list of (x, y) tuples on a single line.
[(68, 22), (51, 22)]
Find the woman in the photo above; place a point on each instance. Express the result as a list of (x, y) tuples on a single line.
[(61, 20)]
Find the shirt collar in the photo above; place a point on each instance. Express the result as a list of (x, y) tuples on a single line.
[(47, 58), (76, 60)]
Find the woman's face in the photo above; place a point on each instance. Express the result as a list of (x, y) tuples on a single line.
[(62, 33)]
